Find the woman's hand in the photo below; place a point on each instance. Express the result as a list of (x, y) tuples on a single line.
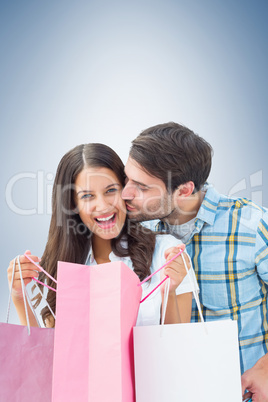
[(178, 307), (29, 271), (175, 270)]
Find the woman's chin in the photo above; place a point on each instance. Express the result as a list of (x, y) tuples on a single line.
[(107, 234)]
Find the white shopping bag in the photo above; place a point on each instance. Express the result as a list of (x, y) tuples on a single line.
[(188, 362)]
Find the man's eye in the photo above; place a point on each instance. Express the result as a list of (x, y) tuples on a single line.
[(142, 188)]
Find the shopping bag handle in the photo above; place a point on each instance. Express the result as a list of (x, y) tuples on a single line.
[(159, 284), (45, 272), (195, 293), (24, 292), (42, 283)]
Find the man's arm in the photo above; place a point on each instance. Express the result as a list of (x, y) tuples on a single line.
[(255, 381)]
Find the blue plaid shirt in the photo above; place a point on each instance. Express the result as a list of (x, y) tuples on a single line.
[(229, 251)]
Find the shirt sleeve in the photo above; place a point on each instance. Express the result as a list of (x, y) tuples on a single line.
[(261, 248)]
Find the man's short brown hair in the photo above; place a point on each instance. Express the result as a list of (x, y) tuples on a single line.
[(174, 154)]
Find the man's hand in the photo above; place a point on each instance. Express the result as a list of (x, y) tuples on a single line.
[(255, 381)]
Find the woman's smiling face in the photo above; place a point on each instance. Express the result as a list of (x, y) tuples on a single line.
[(99, 203)]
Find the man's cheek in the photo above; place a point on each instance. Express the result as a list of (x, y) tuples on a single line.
[(152, 204)]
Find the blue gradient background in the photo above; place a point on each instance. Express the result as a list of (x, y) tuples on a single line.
[(101, 71)]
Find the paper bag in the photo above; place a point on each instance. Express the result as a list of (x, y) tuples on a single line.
[(97, 307), (188, 362), (26, 358), (25, 363)]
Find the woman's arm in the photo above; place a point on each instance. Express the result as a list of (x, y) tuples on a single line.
[(179, 307), (29, 271), (19, 305)]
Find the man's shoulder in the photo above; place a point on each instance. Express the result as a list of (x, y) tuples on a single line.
[(218, 210), (225, 202)]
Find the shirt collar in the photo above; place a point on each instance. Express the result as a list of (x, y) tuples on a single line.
[(208, 208), (162, 227), (206, 213), (90, 257)]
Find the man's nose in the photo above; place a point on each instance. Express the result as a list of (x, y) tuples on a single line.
[(128, 192)]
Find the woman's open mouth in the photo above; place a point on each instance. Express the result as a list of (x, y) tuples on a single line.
[(106, 222)]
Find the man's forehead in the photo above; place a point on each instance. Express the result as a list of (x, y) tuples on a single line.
[(134, 171), (133, 165)]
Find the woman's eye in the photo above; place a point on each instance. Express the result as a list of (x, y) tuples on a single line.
[(86, 196), (112, 190)]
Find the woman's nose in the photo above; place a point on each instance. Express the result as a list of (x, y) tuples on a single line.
[(102, 205)]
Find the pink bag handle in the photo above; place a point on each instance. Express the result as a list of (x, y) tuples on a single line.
[(150, 276), (42, 269), (41, 283), (24, 293)]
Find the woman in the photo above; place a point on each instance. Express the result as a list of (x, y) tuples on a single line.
[(89, 226)]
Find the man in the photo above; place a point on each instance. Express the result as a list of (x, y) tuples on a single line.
[(227, 239)]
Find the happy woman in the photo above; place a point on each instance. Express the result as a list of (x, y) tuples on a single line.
[(89, 226)]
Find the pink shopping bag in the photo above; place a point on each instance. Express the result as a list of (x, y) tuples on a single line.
[(25, 363), (97, 307), (26, 359)]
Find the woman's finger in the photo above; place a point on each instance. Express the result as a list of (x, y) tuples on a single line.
[(179, 260), (25, 260), (28, 269), (25, 263), (26, 274), (172, 272), (174, 250)]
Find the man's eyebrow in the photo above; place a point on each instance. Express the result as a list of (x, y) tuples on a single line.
[(140, 184)]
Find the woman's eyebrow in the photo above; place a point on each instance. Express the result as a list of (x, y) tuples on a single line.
[(84, 191), (112, 185)]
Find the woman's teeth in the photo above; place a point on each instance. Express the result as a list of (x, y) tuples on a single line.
[(105, 219)]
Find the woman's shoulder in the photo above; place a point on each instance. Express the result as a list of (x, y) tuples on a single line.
[(162, 243), (166, 240)]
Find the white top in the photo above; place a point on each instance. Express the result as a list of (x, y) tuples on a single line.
[(149, 312)]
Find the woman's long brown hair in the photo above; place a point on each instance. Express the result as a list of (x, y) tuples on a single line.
[(69, 239)]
